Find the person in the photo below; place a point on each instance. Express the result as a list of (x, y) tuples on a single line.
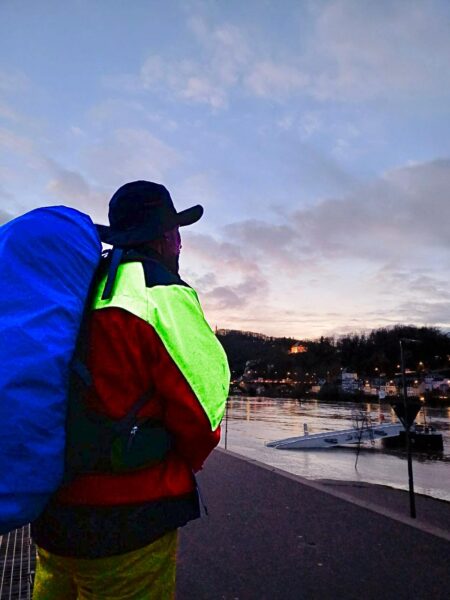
[(155, 370)]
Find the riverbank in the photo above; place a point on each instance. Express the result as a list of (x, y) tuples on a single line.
[(254, 421), (273, 535), (333, 395)]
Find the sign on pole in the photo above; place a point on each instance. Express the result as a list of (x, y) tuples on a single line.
[(408, 416)]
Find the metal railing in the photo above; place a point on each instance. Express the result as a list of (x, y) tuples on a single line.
[(17, 564)]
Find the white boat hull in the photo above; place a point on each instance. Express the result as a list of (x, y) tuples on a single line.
[(337, 438)]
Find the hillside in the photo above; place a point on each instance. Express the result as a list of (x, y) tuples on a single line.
[(368, 355)]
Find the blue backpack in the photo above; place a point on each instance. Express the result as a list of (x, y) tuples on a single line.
[(48, 259)]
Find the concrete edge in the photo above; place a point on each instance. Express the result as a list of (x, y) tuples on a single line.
[(385, 512)]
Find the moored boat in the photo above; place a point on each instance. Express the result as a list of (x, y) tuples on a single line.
[(338, 438)]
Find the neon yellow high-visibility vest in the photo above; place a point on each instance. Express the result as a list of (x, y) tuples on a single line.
[(175, 313)]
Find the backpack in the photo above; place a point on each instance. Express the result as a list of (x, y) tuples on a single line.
[(48, 260)]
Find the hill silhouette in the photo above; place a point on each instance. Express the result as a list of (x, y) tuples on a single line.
[(375, 353)]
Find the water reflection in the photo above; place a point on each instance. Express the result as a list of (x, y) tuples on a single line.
[(253, 421)]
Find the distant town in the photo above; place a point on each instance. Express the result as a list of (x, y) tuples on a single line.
[(350, 367)]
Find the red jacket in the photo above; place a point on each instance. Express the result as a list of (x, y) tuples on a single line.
[(125, 358)]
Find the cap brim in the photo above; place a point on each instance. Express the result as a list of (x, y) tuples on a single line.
[(190, 215)]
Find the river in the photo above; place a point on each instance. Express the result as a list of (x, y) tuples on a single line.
[(254, 421)]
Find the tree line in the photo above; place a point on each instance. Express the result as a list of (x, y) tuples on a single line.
[(368, 354)]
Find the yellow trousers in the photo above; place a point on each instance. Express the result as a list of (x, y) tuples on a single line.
[(144, 574)]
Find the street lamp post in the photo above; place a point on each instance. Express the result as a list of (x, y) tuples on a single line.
[(407, 425)]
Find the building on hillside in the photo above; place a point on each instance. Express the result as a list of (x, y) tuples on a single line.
[(349, 382), (389, 388), (413, 391), (370, 389), (436, 383), (298, 348)]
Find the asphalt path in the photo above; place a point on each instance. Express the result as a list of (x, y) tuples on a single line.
[(275, 536)]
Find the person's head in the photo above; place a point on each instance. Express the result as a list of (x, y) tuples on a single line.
[(168, 247), (141, 213)]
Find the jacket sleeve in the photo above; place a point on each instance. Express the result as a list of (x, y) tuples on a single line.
[(183, 415)]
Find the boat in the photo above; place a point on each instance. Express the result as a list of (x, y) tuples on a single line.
[(332, 439)]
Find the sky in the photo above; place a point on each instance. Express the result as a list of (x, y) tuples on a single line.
[(315, 133)]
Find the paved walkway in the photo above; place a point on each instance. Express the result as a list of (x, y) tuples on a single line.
[(275, 536)]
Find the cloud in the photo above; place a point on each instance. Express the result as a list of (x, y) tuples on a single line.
[(277, 246), (341, 50), (421, 283), (71, 188), (197, 188), (13, 81), (228, 63), (310, 123), (360, 51), (77, 132), (4, 193), (10, 207), (4, 217), (204, 282), (223, 297), (365, 50), (127, 83), (128, 154), (435, 313), (247, 293), (42, 177), (418, 295), (226, 257), (275, 80), (226, 278), (186, 80), (112, 108), (381, 243), (16, 143), (207, 80), (226, 45), (124, 155), (203, 90), (8, 113), (399, 215), (123, 113), (68, 184)]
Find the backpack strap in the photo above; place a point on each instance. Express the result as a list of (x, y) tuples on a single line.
[(116, 258), (127, 422), (80, 369)]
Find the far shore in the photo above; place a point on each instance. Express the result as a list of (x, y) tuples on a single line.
[(338, 397)]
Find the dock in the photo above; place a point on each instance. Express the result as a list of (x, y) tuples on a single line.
[(271, 535)]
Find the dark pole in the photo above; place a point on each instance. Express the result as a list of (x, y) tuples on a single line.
[(412, 499), (226, 424)]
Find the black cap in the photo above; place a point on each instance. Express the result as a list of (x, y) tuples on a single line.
[(141, 211)]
